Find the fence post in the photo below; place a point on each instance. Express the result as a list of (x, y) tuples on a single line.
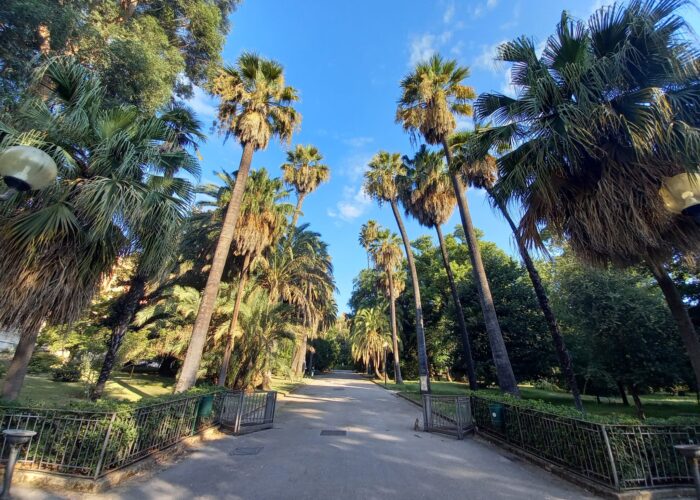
[(611, 457), (427, 413), (103, 452), (270, 407), (239, 413), (458, 412)]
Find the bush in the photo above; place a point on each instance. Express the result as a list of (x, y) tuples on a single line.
[(70, 372), (546, 385), (43, 362)]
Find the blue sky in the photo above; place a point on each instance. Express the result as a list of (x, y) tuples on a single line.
[(346, 59)]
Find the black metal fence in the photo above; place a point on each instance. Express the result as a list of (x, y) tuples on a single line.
[(621, 457), (92, 444), (447, 414)]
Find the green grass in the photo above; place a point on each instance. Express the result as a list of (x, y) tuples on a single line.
[(655, 405), (120, 387), (284, 386)]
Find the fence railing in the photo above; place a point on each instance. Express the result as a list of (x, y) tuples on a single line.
[(447, 414), (249, 412), (618, 456), (92, 444)]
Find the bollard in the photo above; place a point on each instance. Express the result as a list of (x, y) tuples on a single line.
[(16, 438)]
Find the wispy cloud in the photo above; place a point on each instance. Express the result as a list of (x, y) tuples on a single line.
[(358, 142), (449, 13), (203, 104), (423, 46), (487, 58), (354, 204), (514, 18), (479, 9)]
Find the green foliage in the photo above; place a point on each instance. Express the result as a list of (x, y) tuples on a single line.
[(43, 362), (70, 372)]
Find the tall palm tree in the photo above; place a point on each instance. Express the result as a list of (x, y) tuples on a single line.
[(368, 233), (262, 222), (386, 253), (57, 244), (381, 184), (156, 239), (482, 172), (431, 95), (304, 172), (427, 194), (256, 105), (369, 337), (603, 116)]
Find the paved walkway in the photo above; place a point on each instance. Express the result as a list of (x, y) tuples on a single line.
[(381, 457)]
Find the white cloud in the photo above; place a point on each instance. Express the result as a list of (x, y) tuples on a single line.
[(487, 58), (480, 8), (202, 104), (449, 13), (355, 203), (465, 123), (507, 88), (514, 19), (422, 47), (490, 4), (358, 142), (354, 166)]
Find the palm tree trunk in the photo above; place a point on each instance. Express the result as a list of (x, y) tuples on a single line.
[(504, 370), (394, 333), (680, 314), (297, 210), (19, 364), (420, 332), (188, 374), (125, 312), (557, 338), (466, 342), (242, 278), (299, 357)]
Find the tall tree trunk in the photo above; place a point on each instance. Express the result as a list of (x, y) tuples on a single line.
[(188, 374), (230, 338), (637, 402), (563, 354), (420, 332), (19, 364), (125, 312), (466, 342), (297, 210), (299, 357), (504, 370), (680, 314), (623, 394), (394, 331)]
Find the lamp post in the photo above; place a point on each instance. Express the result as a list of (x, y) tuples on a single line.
[(386, 346), (681, 194), (16, 438), (24, 168)]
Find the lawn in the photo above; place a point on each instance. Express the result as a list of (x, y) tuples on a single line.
[(41, 388), (655, 405)]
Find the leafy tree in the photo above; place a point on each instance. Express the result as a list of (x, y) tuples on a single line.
[(57, 244), (387, 256), (602, 117), (381, 184), (144, 52), (427, 195), (431, 95), (304, 172), (256, 105), (618, 326)]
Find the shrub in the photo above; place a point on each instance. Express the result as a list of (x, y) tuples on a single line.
[(69, 372), (43, 362), (546, 385)]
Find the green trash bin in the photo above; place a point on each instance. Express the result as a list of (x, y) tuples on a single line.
[(205, 407), (497, 412)]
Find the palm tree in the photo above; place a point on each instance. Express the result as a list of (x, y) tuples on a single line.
[(262, 221), (427, 194), (368, 233), (369, 337), (255, 106), (431, 96), (304, 172), (380, 183), (299, 272), (481, 172), (56, 245), (602, 117), (157, 236), (386, 253)]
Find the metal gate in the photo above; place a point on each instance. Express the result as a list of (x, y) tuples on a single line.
[(243, 412), (447, 414)]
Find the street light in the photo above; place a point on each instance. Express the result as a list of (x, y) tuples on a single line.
[(386, 346), (681, 194), (24, 168)]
